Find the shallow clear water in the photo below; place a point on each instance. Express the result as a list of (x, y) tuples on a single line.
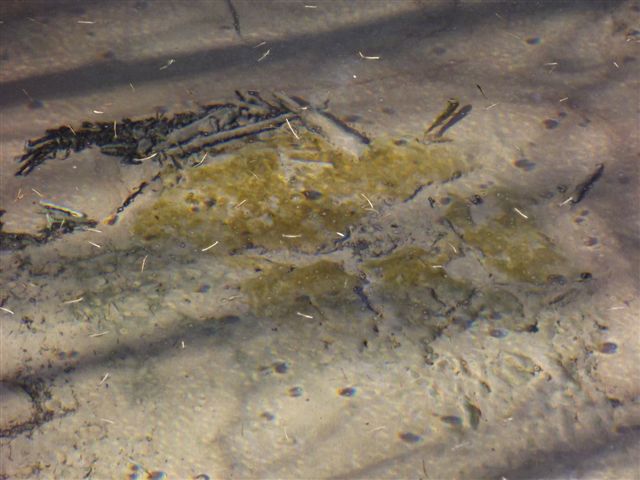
[(298, 303)]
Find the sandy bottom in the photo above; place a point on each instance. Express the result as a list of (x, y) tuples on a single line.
[(154, 359)]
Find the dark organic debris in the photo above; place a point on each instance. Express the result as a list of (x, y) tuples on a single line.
[(176, 138), (452, 104), (583, 188)]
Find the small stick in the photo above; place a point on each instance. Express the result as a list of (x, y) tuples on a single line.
[(264, 55), (95, 335), (146, 158), (366, 57), (144, 261), (104, 379), (95, 245), (210, 246), (291, 236), (369, 201), (241, 203), (304, 315), (77, 300), (292, 130), (36, 192), (5, 309), (201, 160), (170, 62), (520, 213)]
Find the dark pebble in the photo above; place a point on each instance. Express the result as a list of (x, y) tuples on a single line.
[(615, 403), (204, 288), (312, 194), (452, 420), (550, 124), (525, 164), (267, 416), (608, 348), (280, 367), (445, 200), (409, 437), (347, 392), (533, 40), (295, 392), (497, 333), (156, 475), (476, 199), (533, 328), (591, 241), (586, 276)]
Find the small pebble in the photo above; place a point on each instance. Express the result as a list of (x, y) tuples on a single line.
[(476, 199), (591, 241), (525, 164), (497, 333), (550, 124), (267, 416), (452, 420), (347, 392), (533, 40), (280, 367), (409, 437), (312, 194), (156, 475), (295, 392), (608, 348)]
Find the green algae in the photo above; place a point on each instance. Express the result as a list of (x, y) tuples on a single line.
[(416, 282), (509, 242), (286, 290), (286, 193)]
